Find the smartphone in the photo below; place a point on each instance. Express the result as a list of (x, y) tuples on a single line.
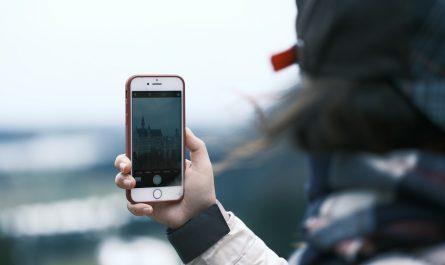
[(155, 131)]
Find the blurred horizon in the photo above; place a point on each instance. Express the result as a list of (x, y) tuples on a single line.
[(63, 191)]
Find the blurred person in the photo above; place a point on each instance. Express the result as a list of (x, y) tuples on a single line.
[(370, 113)]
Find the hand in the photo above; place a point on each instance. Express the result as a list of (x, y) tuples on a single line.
[(199, 188)]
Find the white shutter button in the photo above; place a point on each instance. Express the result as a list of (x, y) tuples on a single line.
[(157, 193)]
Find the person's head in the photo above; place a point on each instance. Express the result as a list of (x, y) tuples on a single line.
[(373, 78), (373, 75)]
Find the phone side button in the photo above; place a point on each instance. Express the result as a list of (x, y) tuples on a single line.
[(157, 193)]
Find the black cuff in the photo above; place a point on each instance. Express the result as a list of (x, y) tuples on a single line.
[(200, 233)]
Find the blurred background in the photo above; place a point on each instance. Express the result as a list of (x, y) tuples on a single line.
[(62, 73)]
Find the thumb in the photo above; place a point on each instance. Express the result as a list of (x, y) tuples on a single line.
[(197, 147)]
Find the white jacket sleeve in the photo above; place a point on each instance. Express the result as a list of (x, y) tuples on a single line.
[(241, 247)]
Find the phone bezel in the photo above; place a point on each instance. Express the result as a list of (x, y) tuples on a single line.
[(168, 83)]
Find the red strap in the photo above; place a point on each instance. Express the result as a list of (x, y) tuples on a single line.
[(284, 59)]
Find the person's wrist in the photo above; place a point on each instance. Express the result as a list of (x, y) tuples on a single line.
[(176, 224), (188, 214)]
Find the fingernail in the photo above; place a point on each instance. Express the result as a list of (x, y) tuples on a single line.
[(122, 166), (127, 183), (146, 210)]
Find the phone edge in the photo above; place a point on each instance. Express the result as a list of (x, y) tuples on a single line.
[(128, 132)]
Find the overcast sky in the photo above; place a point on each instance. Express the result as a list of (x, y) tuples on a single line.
[(64, 63), (158, 113)]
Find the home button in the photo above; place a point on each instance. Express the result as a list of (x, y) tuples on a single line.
[(157, 193)]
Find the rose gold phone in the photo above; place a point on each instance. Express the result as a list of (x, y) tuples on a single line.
[(155, 122)]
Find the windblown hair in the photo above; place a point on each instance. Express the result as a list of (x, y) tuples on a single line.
[(336, 115), (370, 116)]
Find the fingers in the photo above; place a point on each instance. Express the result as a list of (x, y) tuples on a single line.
[(140, 209), (125, 181), (123, 164), (198, 150)]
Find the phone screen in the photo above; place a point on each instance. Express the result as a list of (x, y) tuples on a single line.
[(156, 138)]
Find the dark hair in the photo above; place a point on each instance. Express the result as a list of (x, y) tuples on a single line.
[(360, 116), (331, 115)]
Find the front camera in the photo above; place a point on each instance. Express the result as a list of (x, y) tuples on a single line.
[(148, 84)]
